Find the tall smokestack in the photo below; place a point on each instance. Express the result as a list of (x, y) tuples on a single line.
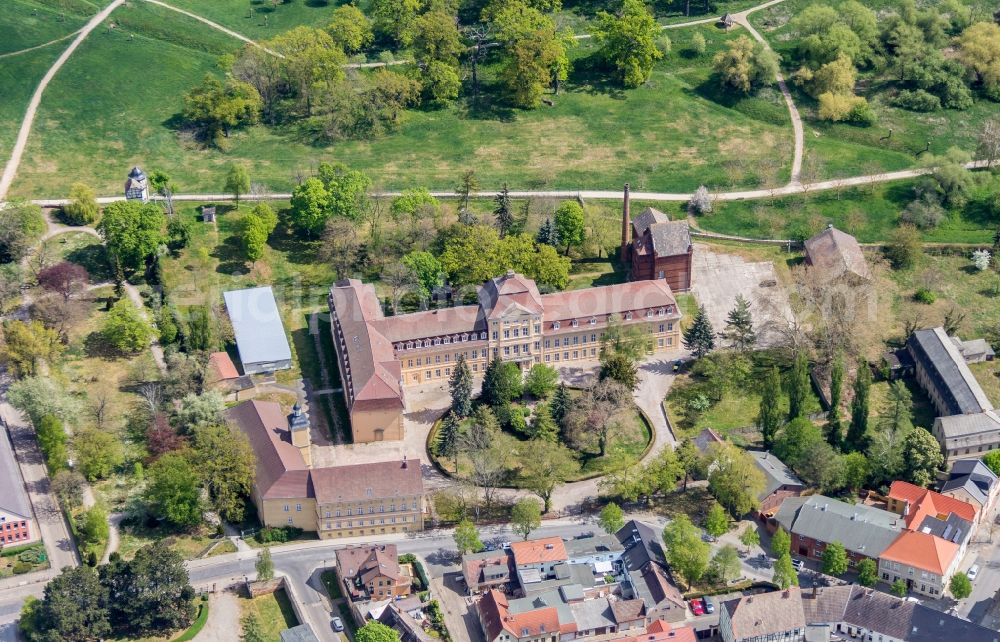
[(626, 226)]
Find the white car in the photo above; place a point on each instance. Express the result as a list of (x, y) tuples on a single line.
[(798, 564), (973, 571)]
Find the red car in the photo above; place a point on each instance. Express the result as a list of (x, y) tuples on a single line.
[(697, 607)]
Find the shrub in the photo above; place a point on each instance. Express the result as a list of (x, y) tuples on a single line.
[(20, 568), (924, 212), (917, 100), (923, 295), (981, 259), (272, 535)]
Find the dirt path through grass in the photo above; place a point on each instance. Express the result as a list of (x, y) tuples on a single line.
[(44, 44)]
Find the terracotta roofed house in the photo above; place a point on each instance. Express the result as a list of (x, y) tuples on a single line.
[(335, 501), (379, 356), (916, 503), (372, 572), (499, 624), (538, 555), (924, 561)]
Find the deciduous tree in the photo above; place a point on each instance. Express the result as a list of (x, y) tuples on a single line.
[(226, 463), (373, 630), (834, 429), (784, 573), (834, 559), (525, 517), (735, 481), (960, 586), (687, 554), (921, 456), (27, 345), (725, 564), (21, 226), (569, 224), (628, 41), (867, 572), (350, 29), (717, 522), (125, 329), (798, 386), (611, 519), (99, 453), (745, 65), (545, 465), (174, 490), (769, 414), (82, 208), (264, 565), (857, 433), (467, 538), (237, 181), (132, 232)]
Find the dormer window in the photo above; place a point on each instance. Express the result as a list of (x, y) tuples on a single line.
[(628, 316), (663, 311), (649, 313), (409, 345), (593, 320), (465, 337), (482, 336), (437, 341), (576, 323), (447, 340), (555, 325)]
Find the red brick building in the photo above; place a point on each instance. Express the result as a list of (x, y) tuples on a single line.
[(654, 247), (15, 509)]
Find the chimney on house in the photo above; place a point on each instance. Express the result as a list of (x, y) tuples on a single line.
[(626, 226), (404, 461)]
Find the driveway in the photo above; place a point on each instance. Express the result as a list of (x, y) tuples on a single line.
[(718, 278), (223, 618), (459, 617)]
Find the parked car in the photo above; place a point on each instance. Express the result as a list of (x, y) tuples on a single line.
[(798, 564), (973, 571), (337, 624), (709, 607), (705, 537), (697, 607)]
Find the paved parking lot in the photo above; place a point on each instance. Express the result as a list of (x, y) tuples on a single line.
[(718, 278)]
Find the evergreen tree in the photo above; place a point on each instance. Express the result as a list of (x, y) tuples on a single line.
[(739, 330), (857, 433), (501, 382), (798, 386), (834, 431), (548, 234), (543, 426), (503, 211), (699, 338), (560, 403), (448, 436), (769, 417), (461, 388)]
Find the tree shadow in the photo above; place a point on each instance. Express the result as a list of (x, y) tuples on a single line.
[(591, 75), (231, 258), (297, 250), (94, 258), (96, 346)]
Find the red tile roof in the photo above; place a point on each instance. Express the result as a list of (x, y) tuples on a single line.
[(496, 617), (609, 299), (221, 367), (281, 470), (923, 502), (661, 631), (922, 550), (538, 551)]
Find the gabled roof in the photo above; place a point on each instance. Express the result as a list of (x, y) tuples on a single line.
[(649, 217), (864, 530), (973, 476), (642, 543), (922, 502), (609, 299), (494, 611), (433, 323), (281, 471), (539, 551), (374, 371), (670, 238), (14, 497), (377, 480), (922, 550), (764, 614), (507, 294), (969, 431), (936, 352), (221, 367), (260, 334), (837, 253), (776, 473), (368, 562)]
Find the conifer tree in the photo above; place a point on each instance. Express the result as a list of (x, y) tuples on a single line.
[(543, 426), (834, 431), (448, 436), (739, 330), (769, 417), (798, 386), (461, 388), (548, 234), (858, 431), (503, 211), (699, 338), (560, 403)]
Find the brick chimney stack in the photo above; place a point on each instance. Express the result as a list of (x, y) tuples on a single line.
[(626, 226)]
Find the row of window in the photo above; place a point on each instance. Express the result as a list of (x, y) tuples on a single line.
[(924, 588), (371, 522), (436, 341), (447, 358), (13, 537), (359, 510), (11, 525), (896, 566)]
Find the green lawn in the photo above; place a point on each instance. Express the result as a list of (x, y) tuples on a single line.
[(869, 213), (842, 149), (674, 133), (18, 77), (274, 612), (28, 23)]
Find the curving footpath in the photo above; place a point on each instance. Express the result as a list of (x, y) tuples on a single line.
[(29, 116), (41, 46), (216, 25)]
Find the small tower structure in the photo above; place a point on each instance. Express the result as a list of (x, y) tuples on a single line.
[(137, 186), (298, 426)]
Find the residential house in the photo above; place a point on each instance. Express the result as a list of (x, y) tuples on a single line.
[(923, 508), (646, 573), (561, 615), (763, 617), (407, 617), (601, 552), (260, 334), (336, 501), (924, 561), (661, 631), (780, 482), (846, 612), (17, 521), (972, 481), (536, 559), (836, 255), (488, 570), (816, 521), (372, 572), (656, 247), (974, 350), (379, 357)]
